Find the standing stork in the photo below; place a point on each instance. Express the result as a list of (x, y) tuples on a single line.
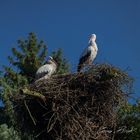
[(46, 70), (89, 54)]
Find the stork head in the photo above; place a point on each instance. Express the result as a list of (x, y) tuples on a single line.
[(93, 37), (51, 60)]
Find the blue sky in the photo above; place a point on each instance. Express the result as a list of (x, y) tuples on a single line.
[(68, 24)]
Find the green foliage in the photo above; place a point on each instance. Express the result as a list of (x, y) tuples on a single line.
[(25, 60), (29, 56), (8, 133), (129, 118)]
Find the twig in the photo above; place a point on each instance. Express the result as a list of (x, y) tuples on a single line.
[(29, 112)]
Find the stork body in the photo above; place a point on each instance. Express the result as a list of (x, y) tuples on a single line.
[(89, 54), (47, 70)]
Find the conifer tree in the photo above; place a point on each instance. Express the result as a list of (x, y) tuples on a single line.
[(129, 119), (29, 55), (26, 58)]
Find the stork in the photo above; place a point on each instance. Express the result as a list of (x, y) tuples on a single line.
[(89, 54), (47, 70)]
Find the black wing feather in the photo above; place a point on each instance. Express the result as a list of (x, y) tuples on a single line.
[(82, 60)]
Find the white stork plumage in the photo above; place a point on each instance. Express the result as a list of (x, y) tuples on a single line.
[(46, 70), (89, 54)]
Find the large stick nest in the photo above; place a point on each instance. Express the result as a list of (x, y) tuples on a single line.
[(80, 106)]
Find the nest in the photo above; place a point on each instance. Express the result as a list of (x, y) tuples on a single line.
[(80, 106)]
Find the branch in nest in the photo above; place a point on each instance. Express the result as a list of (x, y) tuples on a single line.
[(26, 91)]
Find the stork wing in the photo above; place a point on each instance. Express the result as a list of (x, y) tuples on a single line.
[(39, 75), (85, 55), (42, 71)]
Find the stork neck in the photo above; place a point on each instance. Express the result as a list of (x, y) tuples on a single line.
[(54, 63), (91, 42)]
